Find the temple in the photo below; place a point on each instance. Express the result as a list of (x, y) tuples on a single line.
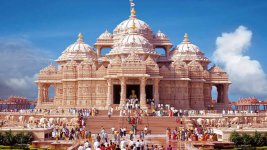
[(85, 77)]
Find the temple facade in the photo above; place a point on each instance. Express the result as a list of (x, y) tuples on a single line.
[(85, 77)]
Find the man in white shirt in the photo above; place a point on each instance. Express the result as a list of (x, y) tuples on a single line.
[(122, 144), (86, 144), (88, 148), (96, 144), (80, 147), (137, 144), (142, 144), (131, 143)]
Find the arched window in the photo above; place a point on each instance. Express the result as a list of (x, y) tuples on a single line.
[(217, 93), (161, 51), (105, 51), (51, 93)]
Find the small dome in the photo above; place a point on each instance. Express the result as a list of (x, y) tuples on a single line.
[(105, 35), (187, 46), (160, 35), (77, 51), (187, 51)]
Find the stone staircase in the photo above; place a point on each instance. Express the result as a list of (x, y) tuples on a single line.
[(157, 125)]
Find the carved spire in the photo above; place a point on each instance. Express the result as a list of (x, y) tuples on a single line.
[(80, 37), (133, 12), (186, 38)]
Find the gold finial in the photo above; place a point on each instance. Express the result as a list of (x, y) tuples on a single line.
[(185, 36), (133, 12), (80, 36)]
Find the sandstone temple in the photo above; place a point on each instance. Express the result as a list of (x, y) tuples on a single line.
[(85, 77)]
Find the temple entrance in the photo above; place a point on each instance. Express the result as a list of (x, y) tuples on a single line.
[(51, 93), (149, 91), (133, 89), (116, 94), (217, 93)]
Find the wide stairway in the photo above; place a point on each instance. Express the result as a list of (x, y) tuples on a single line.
[(157, 125)]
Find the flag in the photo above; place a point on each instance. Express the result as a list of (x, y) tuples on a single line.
[(132, 4)]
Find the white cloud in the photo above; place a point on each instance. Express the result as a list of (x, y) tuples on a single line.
[(21, 83), (19, 64), (247, 76)]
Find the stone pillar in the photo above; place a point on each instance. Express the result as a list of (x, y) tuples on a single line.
[(45, 93), (167, 48), (109, 93), (40, 94), (123, 91), (156, 91), (98, 52), (220, 94), (225, 94), (143, 93)]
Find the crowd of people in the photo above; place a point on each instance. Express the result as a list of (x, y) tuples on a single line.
[(88, 112), (123, 138), (119, 140), (191, 134)]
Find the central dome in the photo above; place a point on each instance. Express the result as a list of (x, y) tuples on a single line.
[(125, 27), (133, 42)]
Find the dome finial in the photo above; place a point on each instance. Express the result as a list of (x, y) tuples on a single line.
[(133, 12), (185, 36), (80, 38), (80, 35)]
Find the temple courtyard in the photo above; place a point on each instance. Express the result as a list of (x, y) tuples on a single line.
[(162, 131)]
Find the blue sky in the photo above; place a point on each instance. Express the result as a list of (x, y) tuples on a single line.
[(45, 28)]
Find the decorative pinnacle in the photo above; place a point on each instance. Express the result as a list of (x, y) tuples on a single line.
[(185, 36), (80, 36), (133, 12)]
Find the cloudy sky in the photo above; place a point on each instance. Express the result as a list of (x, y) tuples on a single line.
[(231, 33)]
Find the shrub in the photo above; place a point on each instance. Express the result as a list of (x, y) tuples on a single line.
[(264, 137), (1, 138), (28, 138), (257, 139), (247, 139), (9, 138), (19, 138), (236, 138)]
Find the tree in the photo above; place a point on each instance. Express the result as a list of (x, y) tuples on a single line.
[(28, 138), (236, 138), (2, 141), (19, 138), (257, 139), (9, 138), (265, 139), (247, 139)]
